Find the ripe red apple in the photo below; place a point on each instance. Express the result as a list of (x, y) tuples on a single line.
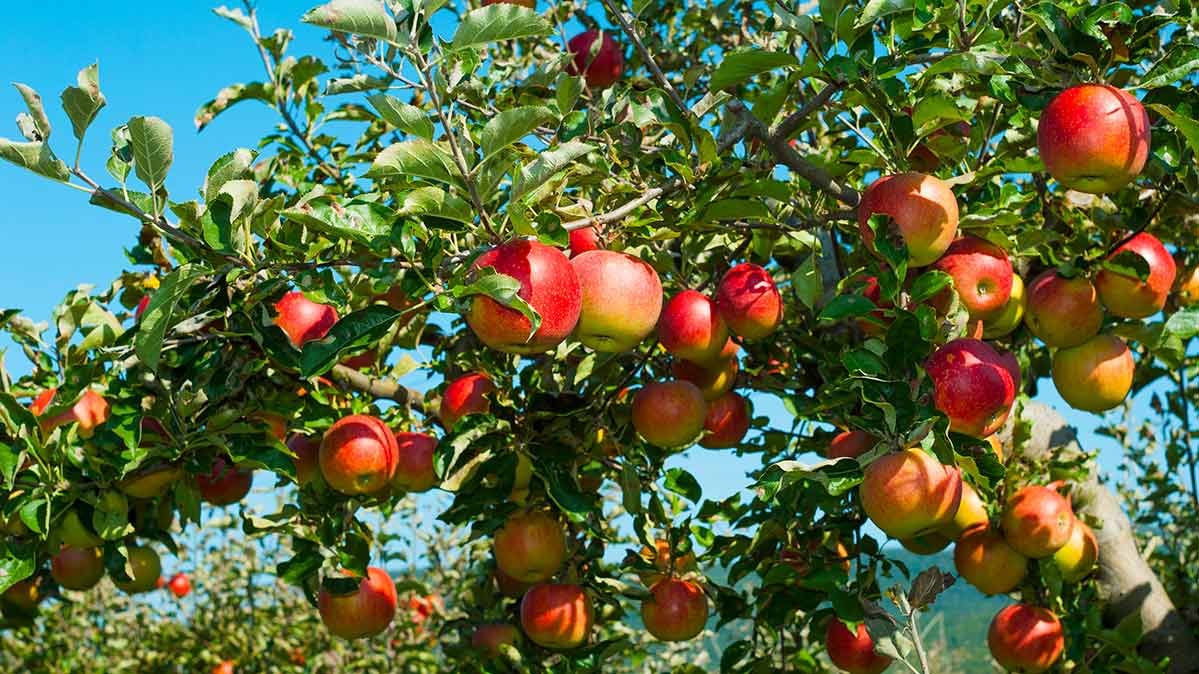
[(583, 239), (1096, 375), (77, 568), (414, 469), (971, 513), (1078, 556), (549, 285), (180, 585), (713, 380), (669, 414), (988, 562), (488, 638), (307, 450), (358, 454), (749, 302), (87, 413), (622, 298), (302, 319), (853, 652), (364, 613), (909, 492), (422, 608), (557, 616), (691, 328), (141, 307), (465, 395), (973, 385), (1009, 317), (1063, 311), (146, 567), (923, 211), (530, 547), (1025, 638), (226, 483), (982, 275), (676, 610), (873, 292), (1037, 521), (1129, 296), (661, 556), (726, 422), (602, 69), (1094, 138), (851, 444)]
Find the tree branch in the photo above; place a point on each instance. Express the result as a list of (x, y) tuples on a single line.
[(646, 56), (378, 387), (785, 128)]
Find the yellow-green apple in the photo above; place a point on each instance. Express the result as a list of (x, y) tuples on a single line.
[(749, 302), (1062, 311), (1037, 521), (622, 298), (1009, 317), (226, 483), (1095, 375), (465, 395), (1025, 638), (1094, 138), (853, 652), (146, 568), (726, 422), (851, 444), (923, 212), (152, 481), (661, 558), (521, 477), (358, 454), (363, 613), (929, 543), (1129, 296), (988, 562), (971, 513), (1078, 556), (548, 284), (974, 385), (71, 530), (602, 68), (302, 319), (1187, 292), (676, 610), (530, 547), (307, 450), (713, 380), (909, 492), (77, 568), (583, 239), (87, 413), (669, 414), (414, 467), (981, 273), (488, 638), (557, 616), (691, 328), (180, 585)]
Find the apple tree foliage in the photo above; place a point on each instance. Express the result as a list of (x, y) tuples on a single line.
[(739, 131)]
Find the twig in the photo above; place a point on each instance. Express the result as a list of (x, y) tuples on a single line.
[(378, 387), (785, 128), (982, 156), (646, 56), (1144, 225)]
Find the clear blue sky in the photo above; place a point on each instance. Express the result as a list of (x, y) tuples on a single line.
[(166, 59)]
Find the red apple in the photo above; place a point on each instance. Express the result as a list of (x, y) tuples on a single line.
[(414, 469), (691, 328), (726, 422), (489, 638), (557, 616), (988, 562), (302, 319), (77, 568), (1096, 375), (669, 414), (1129, 296), (530, 547), (364, 613), (850, 444), (923, 211), (909, 492), (88, 412), (509, 586), (1037, 521), (42, 401), (584, 239), (358, 454), (146, 567), (622, 298), (307, 450), (602, 69), (549, 285), (982, 275), (853, 652), (180, 585), (749, 302), (141, 307), (225, 484), (661, 558), (713, 380), (973, 385), (1094, 138), (1078, 556), (25, 594), (1063, 311), (1025, 638), (676, 610), (873, 292), (465, 395), (224, 667)]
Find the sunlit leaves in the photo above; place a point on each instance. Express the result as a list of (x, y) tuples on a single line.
[(739, 66), (35, 156), (407, 118), (153, 150), (368, 18), (417, 158), (499, 21), (83, 101), (159, 312)]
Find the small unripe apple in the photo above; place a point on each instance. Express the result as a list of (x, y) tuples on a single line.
[(146, 568), (582, 240), (974, 385), (851, 444), (225, 484), (363, 613), (152, 481), (1096, 375), (691, 328), (307, 450), (1025, 638), (557, 616), (1129, 296), (1010, 316), (988, 562), (530, 547), (302, 319), (971, 513), (923, 210), (853, 652), (489, 638), (1078, 556), (414, 469), (909, 492), (548, 284), (669, 414), (981, 273), (1037, 521), (358, 455), (1062, 311), (726, 422), (713, 380), (676, 610), (602, 69), (1094, 138), (465, 395), (180, 585), (622, 298), (749, 302), (77, 568)]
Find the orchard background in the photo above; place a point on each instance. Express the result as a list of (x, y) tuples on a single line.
[(734, 133)]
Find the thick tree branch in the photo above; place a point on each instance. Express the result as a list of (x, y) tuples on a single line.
[(785, 128), (378, 387)]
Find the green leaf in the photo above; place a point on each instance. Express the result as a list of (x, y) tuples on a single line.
[(153, 324), (368, 18), (361, 221), (1180, 62), (407, 118), (844, 306), (414, 158), (807, 281), (304, 564), (37, 111), (977, 61), (234, 165), (120, 161), (630, 488), (110, 519), (511, 125), (16, 417), (877, 9), (10, 458), (740, 65), (1187, 126), (500, 21), (501, 288), (355, 84), (153, 153), (564, 492), (351, 332), (230, 95), (34, 156), (684, 484), (1128, 263), (548, 165), (1183, 324), (17, 562), (928, 284), (84, 101), (436, 202), (837, 476), (1112, 12)]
